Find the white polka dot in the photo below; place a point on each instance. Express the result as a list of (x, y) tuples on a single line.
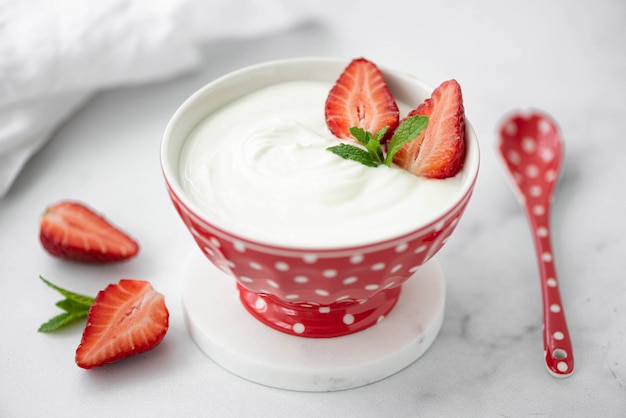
[(273, 284), (546, 154), (230, 264), (291, 297), (513, 157), (309, 258), (357, 258), (420, 249), (329, 274), (301, 279), (554, 308), (390, 284), (551, 175), (532, 171), (371, 287), (544, 126), (281, 266), (558, 335), (255, 265), (260, 304), (239, 246), (348, 319), (215, 242), (298, 328), (344, 297), (439, 226), (529, 145), (414, 269), (542, 231), (246, 279), (539, 210), (380, 319), (551, 282), (402, 247), (350, 280), (510, 128), (324, 309), (518, 177), (535, 191), (209, 251), (396, 268), (546, 257), (321, 292), (378, 266), (562, 366)]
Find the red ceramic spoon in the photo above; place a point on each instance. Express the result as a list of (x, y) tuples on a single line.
[(531, 149)]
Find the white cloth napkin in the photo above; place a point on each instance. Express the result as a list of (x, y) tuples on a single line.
[(54, 54)]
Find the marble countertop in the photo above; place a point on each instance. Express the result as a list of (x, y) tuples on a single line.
[(566, 58)]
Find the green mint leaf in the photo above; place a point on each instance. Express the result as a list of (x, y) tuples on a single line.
[(78, 298), (371, 142), (76, 306), (406, 132), (360, 134), (72, 306), (351, 152), (60, 321), (381, 133)]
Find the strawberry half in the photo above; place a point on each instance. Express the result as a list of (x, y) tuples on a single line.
[(360, 98), (126, 318), (439, 150), (73, 231)]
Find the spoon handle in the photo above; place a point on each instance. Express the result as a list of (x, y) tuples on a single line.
[(559, 356)]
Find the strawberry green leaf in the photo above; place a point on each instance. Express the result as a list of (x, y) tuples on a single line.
[(406, 132), (354, 153)]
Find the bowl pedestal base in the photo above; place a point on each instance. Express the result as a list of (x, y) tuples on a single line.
[(227, 333)]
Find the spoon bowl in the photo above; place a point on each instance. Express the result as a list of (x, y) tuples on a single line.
[(532, 151)]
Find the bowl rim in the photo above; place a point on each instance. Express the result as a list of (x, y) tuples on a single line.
[(170, 170)]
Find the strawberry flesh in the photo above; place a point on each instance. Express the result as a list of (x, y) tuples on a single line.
[(360, 98), (439, 150), (126, 318), (72, 231)]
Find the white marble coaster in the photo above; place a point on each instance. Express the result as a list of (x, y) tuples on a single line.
[(234, 339)]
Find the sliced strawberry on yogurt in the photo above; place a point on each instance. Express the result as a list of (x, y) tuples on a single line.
[(360, 98), (73, 231), (439, 150), (126, 318)]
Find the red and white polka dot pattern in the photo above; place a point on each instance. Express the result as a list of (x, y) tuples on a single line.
[(532, 151), (320, 293)]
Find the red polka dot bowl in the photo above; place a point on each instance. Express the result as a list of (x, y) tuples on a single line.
[(309, 292)]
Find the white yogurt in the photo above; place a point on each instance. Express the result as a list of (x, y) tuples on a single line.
[(259, 168)]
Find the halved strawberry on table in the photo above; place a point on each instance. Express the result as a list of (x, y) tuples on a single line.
[(73, 231), (126, 318), (439, 150), (360, 98)]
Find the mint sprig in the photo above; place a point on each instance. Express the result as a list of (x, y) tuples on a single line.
[(373, 154), (76, 306)]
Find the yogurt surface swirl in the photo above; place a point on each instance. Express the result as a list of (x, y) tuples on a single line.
[(259, 168)]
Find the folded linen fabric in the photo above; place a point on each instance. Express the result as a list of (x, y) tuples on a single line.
[(54, 54)]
